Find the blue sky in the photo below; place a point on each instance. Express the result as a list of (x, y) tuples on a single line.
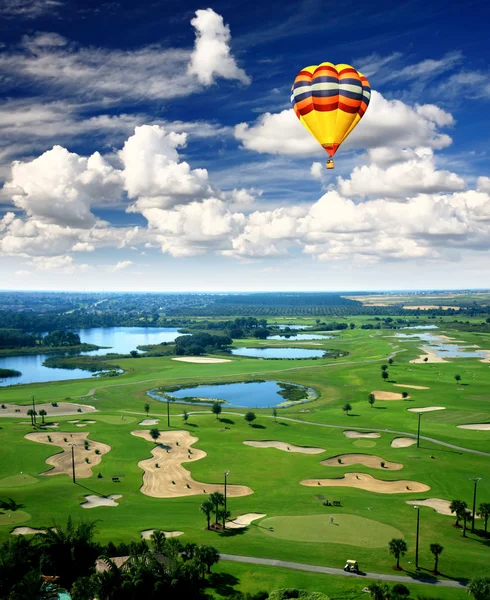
[(151, 146)]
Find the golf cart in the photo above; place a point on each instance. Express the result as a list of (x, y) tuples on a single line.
[(351, 566)]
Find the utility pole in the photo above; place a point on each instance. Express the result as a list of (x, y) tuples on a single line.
[(417, 538), (418, 431), (226, 475), (475, 481), (73, 461)]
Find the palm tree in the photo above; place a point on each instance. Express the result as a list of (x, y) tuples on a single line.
[(216, 408), (436, 549), (378, 591), (208, 555), (108, 583), (397, 547), (158, 539), (32, 413), (371, 399), (185, 416), (43, 414), (223, 515), (465, 516), (457, 506), (207, 508), (347, 407), (484, 513), (32, 586), (274, 414), (147, 409), (479, 588), (155, 434), (218, 500)]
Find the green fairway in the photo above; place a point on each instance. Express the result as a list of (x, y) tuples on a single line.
[(17, 481), (344, 529)]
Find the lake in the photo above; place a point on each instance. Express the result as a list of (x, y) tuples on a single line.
[(277, 352), (118, 339), (250, 394), (300, 337), (444, 349)]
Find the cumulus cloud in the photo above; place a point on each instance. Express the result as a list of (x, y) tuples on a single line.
[(483, 184), (64, 264), (316, 170), (28, 9), (211, 56), (387, 123), (122, 264)]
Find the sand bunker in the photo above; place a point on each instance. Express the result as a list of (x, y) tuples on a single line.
[(201, 359), (63, 408), (149, 422), (244, 520), (368, 460), (286, 447), (388, 395), (439, 505), (81, 425), (26, 531), (403, 442), (430, 355), (370, 484), (146, 534), (360, 434), (426, 409), (476, 426), (411, 387), (94, 501), (62, 461), (170, 479)]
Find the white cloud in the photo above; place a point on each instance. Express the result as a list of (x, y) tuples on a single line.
[(64, 264), (389, 123), (316, 170), (211, 56), (28, 9), (483, 184), (403, 180), (122, 264)]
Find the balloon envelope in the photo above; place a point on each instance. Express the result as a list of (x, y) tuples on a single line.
[(330, 100)]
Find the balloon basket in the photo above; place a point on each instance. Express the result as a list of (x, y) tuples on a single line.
[(330, 164)]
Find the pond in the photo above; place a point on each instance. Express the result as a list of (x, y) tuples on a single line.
[(444, 349), (278, 352), (421, 327), (290, 326), (119, 339), (249, 394), (300, 337)]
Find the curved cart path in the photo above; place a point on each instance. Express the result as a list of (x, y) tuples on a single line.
[(332, 571)]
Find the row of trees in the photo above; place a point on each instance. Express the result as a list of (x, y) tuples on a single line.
[(398, 548), (16, 338), (460, 509), (200, 343)]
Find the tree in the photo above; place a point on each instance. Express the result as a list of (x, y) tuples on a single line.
[(158, 540), (147, 409), (384, 367), (43, 414), (185, 416), (378, 591), (484, 513), (479, 588), (208, 555), (223, 515), (465, 516), (155, 434), (457, 507), (458, 378), (32, 586), (371, 399), (404, 395), (390, 361), (134, 353), (216, 409), (218, 500), (261, 333), (274, 414), (250, 417), (32, 413), (347, 407), (436, 549), (207, 508), (384, 375), (398, 547)]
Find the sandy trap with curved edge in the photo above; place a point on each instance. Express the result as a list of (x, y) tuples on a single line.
[(147, 533), (27, 531), (476, 426), (426, 409), (63, 408), (286, 447), (403, 442), (370, 484), (94, 501), (170, 479), (201, 359), (368, 460), (62, 460), (149, 422), (431, 357), (359, 434), (439, 505), (244, 520), (379, 395), (411, 387)]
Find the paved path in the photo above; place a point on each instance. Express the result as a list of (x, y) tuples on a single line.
[(331, 571)]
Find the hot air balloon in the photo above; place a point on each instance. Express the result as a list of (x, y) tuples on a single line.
[(330, 100)]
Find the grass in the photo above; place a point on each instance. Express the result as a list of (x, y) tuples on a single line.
[(275, 476), (9, 518)]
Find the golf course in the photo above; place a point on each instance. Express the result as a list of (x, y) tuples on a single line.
[(317, 481)]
